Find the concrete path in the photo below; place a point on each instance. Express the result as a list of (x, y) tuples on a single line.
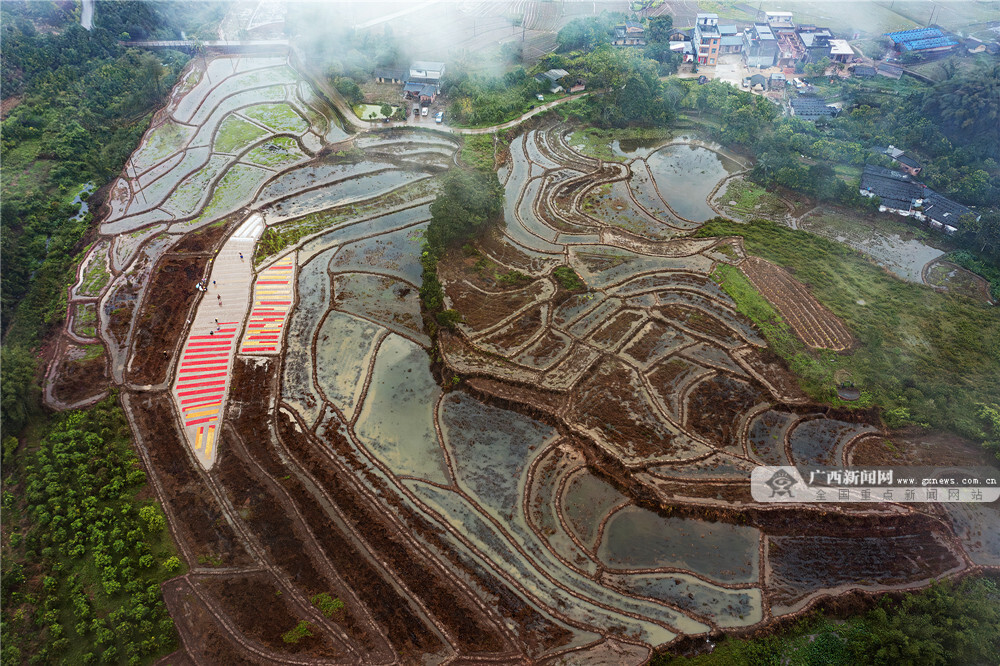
[(87, 15), (202, 382)]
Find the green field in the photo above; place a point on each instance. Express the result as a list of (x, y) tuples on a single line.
[(235, 134), (925, 357)]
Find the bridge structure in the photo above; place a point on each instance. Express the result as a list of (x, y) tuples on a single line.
[(217, 46)]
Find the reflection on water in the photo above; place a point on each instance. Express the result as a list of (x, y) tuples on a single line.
[(685, 174)]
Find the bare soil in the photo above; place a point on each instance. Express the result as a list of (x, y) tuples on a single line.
[(259, 609), (203, 636), (715, 407), (199, 519), (816, 326), (161, 320), (79, 379)]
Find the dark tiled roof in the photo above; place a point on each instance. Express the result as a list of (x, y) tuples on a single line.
[(865, 71), (909, 161), (391, 73), (896, 190), (944, 210), (812, 108)]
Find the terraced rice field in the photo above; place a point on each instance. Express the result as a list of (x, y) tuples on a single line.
[(488, 507)]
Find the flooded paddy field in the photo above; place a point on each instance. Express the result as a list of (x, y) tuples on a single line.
[(899, 247), (560, 478)]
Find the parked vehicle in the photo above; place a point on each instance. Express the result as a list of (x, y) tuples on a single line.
[(439, 117), (424, 111), (540, 97)]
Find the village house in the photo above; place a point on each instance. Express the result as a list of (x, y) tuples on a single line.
[(864, 71), (927, 41), (630, 33), (777, 81), (677, 35), (707, 38), (760, 48), (756, 82), (552, 78), (779, 21), (684, 48), (889, 71), (905, 162), (815, 42), (790, 48), (732, 40), (840, 50), (899, 193), (423, 82), (391, 74)]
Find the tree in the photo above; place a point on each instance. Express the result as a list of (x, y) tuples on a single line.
[(385, 110), (468, 199), (660, 28), (585, 33), (17, 385), (297, 633)]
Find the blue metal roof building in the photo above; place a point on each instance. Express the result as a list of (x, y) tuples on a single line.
[(922, 39)]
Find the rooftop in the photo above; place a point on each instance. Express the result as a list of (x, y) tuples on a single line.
[(763, 31), (426, 65), (910, 35), (812, 108), (814, 39), (929, 43), (390, 72), (896, 190), (944, 210), (840, 47)]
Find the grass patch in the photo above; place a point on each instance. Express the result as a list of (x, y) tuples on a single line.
[(925, 357), (85, 320), (752, 200), (981, 265), (232, 189), (278, 151), (279, 117), (235, 134), (814, 368), (597, 142), (480, 150), (568, 278), (365, 111), (95, 278)]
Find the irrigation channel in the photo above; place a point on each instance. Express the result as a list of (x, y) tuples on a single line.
[(574, 489)]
